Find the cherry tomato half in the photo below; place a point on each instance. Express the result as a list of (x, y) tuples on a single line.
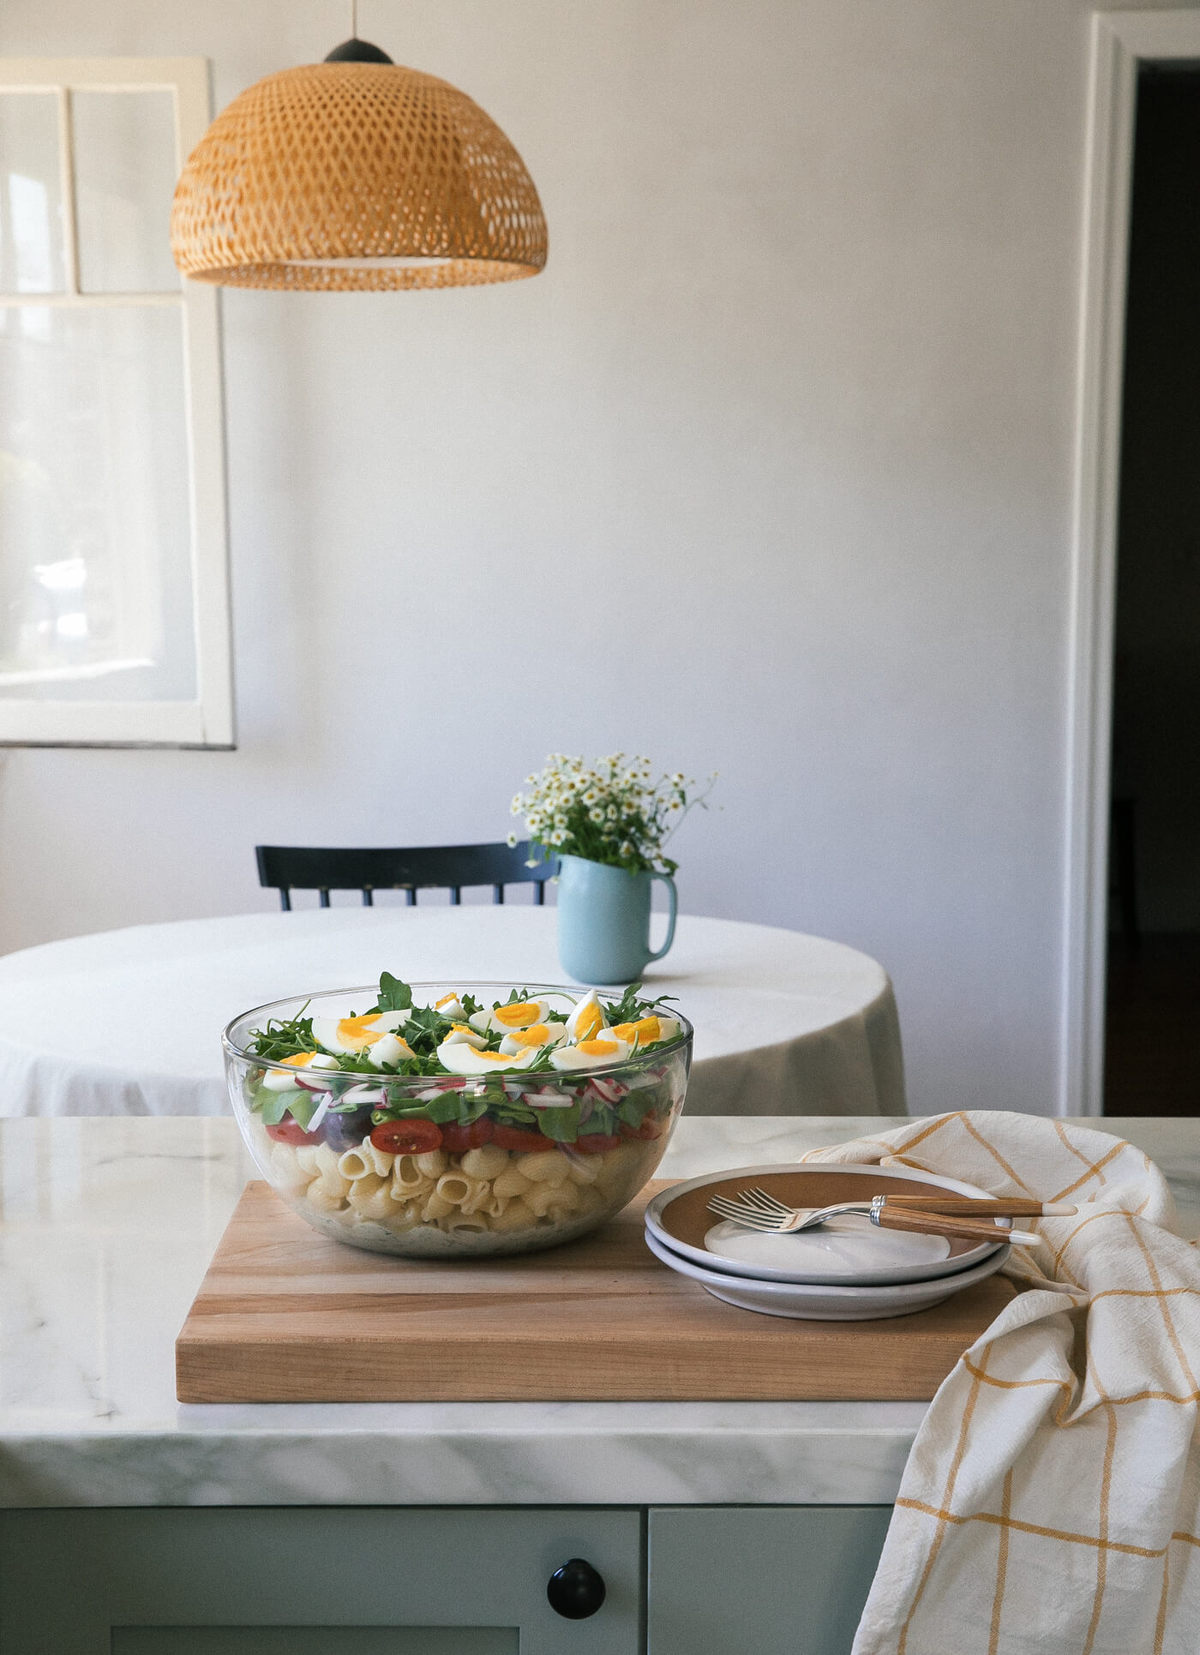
[(516, 1138), (595, 1143), (457, 1138), (411, 1137), (291, 1132), (649, 1128)]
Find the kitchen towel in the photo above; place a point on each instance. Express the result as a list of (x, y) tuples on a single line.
[(1051, 1501)]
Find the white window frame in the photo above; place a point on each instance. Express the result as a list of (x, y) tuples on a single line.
[(208, 720)]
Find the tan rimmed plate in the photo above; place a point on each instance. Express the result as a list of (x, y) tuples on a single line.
[(678, 1218)]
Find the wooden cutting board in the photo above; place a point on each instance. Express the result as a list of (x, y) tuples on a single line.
[(287, 1315)]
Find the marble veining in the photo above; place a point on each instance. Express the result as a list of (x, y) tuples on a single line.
[(107, 1226)]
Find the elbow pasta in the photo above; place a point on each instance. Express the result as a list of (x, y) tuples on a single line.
[(545, 1166), (483, 1190)]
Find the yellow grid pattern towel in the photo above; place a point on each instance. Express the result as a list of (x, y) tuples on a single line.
[(1051, 1501)]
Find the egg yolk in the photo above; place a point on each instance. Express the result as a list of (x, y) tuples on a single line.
[(599, 1048), (645, 1030), (589, 1021), (493, 1057), (446, 1000), (519, 1016), (299, 1060), (538, 1035), (358, 1032)]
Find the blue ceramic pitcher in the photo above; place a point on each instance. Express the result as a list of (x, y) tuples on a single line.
[(604, 921)]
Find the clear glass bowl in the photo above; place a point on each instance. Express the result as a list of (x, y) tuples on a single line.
[(489, 1186)]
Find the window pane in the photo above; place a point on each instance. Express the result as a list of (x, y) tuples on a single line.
[(95, 531), (125, 172), (31, 233)]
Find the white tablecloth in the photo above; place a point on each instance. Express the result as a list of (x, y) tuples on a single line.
[(129, 1022)]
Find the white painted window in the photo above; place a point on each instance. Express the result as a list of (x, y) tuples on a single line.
[(114, 603)]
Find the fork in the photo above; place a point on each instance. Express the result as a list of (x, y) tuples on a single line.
[(756, 1210)]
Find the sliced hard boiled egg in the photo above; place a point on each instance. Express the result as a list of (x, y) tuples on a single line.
[(462, 1059), (522, 1014), (392, 1020), (533, 1038), (647, 1031), (393, 1048), (355, 1034), (587, 1018), (462, 1033), (449, 1006), (589, 1054), (276, 1082)]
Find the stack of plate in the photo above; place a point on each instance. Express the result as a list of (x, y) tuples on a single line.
[(846, 1270)]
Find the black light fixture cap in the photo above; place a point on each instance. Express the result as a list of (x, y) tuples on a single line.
[(357, 51)]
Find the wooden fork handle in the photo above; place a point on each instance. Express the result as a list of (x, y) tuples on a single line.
[(930, 1223), (1011, 1206)]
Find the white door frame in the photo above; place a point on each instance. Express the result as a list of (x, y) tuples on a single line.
[(1121, 40)]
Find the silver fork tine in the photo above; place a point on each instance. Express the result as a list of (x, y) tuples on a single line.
[(765, 1202), (749, 1221), (719, 1204), (739, 1209), (753, 1201)]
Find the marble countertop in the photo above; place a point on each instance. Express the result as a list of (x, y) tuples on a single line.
[(107, 1227)]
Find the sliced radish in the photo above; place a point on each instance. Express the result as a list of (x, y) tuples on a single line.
[(545, 1099), (361, 1096), (319, 1113)]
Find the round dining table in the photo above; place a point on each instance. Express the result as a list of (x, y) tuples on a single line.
[(129, 1022)]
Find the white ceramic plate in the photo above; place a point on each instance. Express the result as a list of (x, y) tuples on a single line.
[(854, 1253), (806, 1301)]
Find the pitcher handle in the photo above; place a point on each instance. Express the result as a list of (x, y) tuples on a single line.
[(671, 912)]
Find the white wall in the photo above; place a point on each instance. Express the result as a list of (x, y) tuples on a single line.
[(769, 472)]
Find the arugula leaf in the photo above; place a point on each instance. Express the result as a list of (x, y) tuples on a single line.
[(627, 1009), (425, 1029), (393, 994)]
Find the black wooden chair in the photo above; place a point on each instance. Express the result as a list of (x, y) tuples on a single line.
[(286, 868)]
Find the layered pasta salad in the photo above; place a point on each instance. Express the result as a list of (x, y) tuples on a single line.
[(470, 1123)]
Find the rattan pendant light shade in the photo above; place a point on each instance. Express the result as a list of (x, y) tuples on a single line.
[(345, 175)]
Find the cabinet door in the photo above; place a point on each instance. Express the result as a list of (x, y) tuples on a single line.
[(333, 1581), (775, 1580)]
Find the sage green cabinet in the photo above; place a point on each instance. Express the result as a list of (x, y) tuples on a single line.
[(760, 1580), (326, 1581), (336, 1580)]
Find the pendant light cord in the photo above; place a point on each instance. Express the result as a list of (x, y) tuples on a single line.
[(354, 19)]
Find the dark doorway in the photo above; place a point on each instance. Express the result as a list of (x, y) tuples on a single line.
[(1152, 1044)]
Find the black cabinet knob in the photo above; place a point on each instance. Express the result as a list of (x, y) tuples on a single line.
[(576, 1590)]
